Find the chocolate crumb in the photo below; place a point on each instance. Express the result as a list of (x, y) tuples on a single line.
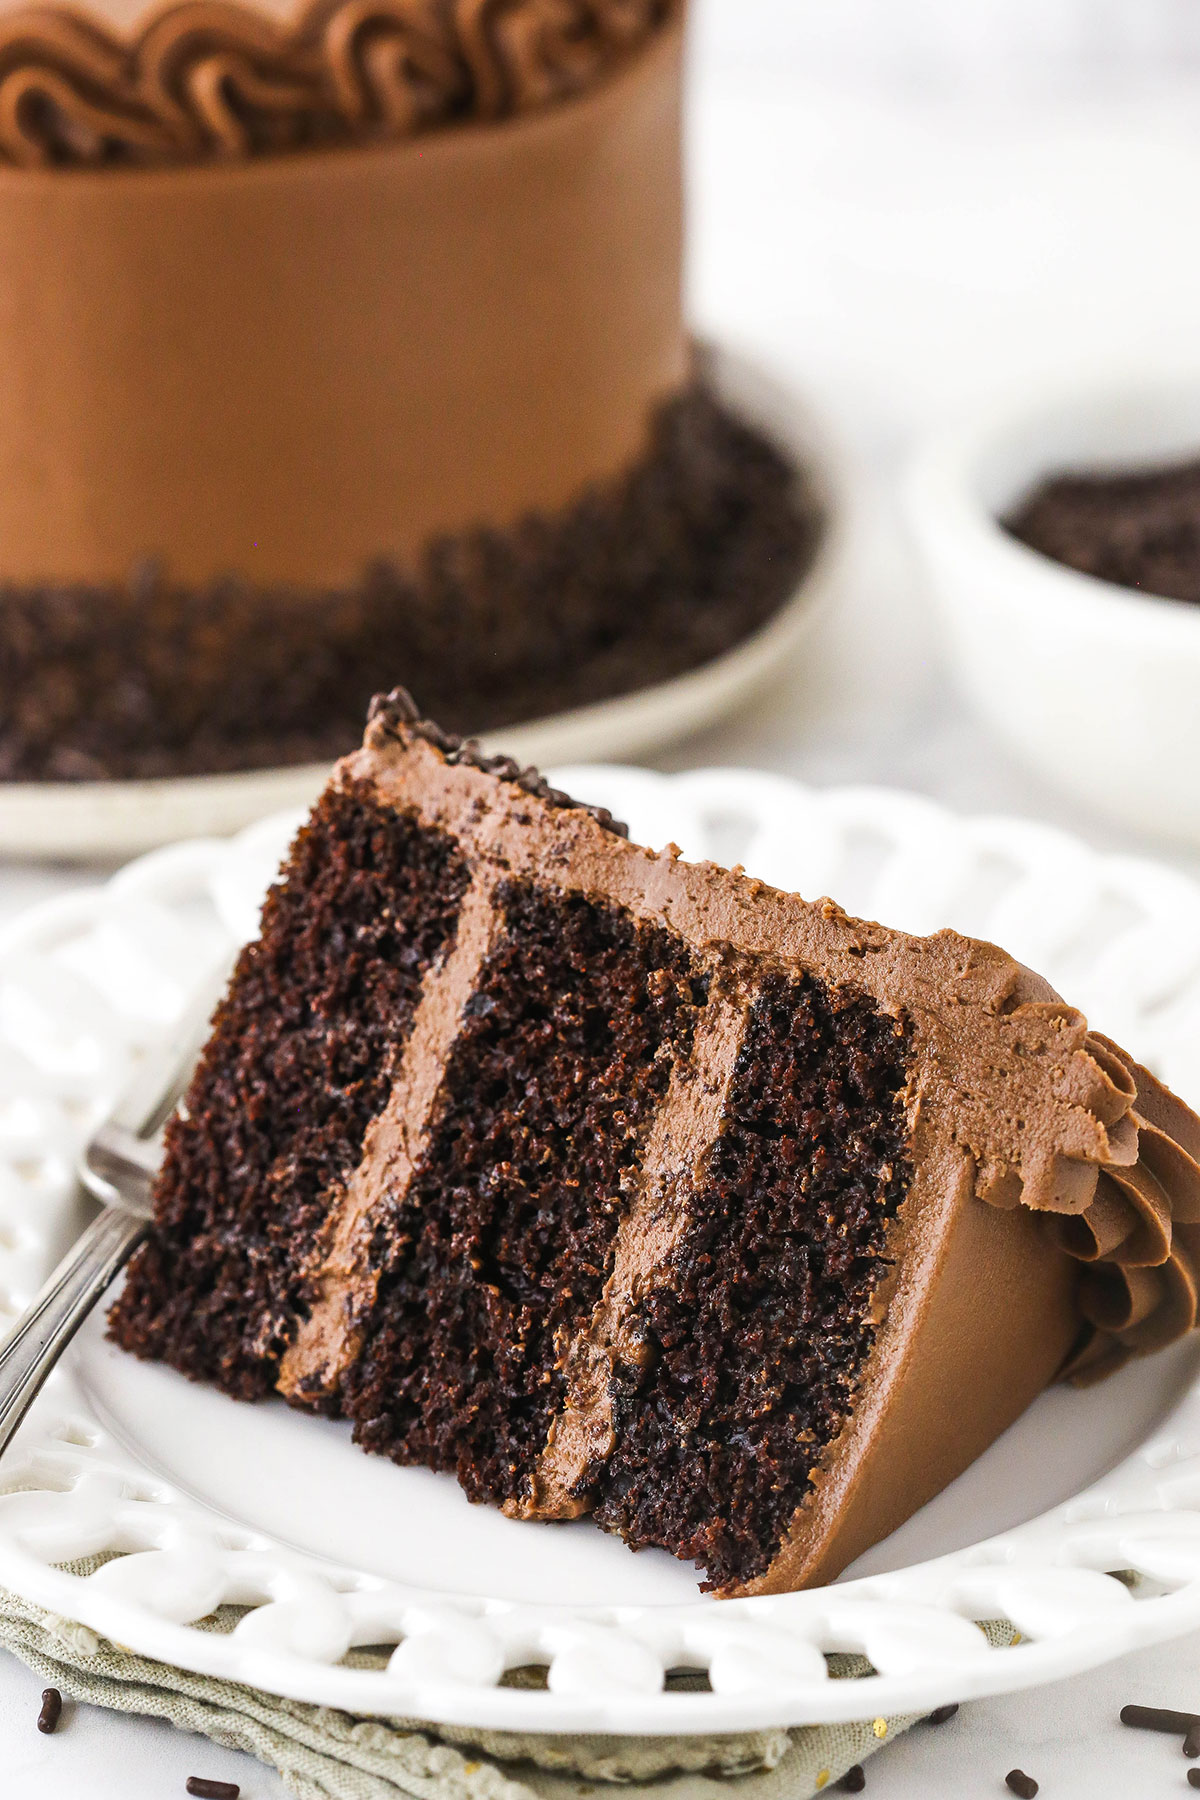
[(1191, 1743), (854, 1780), (1021, 1784), (1193, 1776), (51, 1711), (941, 1714), (1160, 1718), (212, 1790)]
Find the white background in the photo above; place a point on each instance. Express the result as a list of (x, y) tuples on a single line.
[(905, 206)]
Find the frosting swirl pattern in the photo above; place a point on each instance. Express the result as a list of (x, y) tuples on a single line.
[(209, 79), (1139, 1238), (1118, 1186)]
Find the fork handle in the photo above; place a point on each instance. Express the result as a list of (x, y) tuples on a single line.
[(52, 1319)]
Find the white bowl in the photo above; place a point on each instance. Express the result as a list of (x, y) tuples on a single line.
[(1094, 685)]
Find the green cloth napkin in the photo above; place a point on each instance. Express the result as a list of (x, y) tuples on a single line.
[(323, 1754)]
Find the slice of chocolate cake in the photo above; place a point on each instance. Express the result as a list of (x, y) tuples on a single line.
[(613, 1183)]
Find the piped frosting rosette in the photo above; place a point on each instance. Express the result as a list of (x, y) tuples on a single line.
[(1119, 1184), (1139, 1238), (214, 78)]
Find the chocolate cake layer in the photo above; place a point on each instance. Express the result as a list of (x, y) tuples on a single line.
[(639, 581), (301, 1059), (678, 1195), (751, 1333), (488, 1256)]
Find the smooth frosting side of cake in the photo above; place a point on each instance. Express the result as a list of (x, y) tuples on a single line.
[(293, 366), (684, 1195), (225, 79)]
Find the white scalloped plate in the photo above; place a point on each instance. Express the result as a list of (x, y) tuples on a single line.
[(205, 1501), (120, 818)]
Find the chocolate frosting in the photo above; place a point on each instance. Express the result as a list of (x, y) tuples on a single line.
[(1049, 1169), (396, 716), (1120, 1189), (1138, 1237), (217, 78)]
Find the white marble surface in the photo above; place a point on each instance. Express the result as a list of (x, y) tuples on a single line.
[(928, 223)]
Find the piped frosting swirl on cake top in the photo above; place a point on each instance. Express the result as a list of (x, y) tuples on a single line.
[(212, 79)]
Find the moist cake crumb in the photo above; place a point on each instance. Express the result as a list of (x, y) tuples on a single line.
[(755, 1330), (299, 1063)]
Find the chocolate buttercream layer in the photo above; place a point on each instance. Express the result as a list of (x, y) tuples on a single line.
[(938, 1123), (583, 1436), (637, 582), (288, 367), (220, 79)]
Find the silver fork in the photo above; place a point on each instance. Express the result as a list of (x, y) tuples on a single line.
[(118, 1166)]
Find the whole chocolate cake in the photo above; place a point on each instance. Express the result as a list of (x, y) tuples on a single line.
[(348, 341), (614, 1183)]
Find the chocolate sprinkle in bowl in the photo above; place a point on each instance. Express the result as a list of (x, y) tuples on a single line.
[(1027, 522)]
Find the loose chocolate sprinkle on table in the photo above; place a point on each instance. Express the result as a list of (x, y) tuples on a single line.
[(1160, 1718), (1021, 1784), (212, 1790), (1194, 1778), (51, 1711), (940, 1714), (1191, 1743), (854, 1780)]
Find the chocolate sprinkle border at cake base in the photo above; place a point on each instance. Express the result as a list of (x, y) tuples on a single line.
[(1139, 529), (692, 552)]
